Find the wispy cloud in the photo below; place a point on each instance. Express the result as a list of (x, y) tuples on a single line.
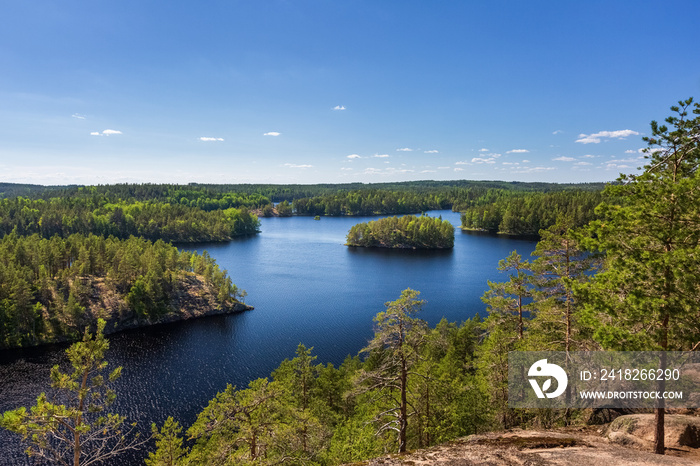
[(339, 107), (430, 151), (272, 133), (353, 156), (518, 151), (458, 169), (614, 165), (78, 116), (107, 132), (595, 138), (293, 165), (381, 156), (557, 131), (405, 149), (581, 164), (345, 168), (533, 170), (564, 159), (483, 160), (387, 171), (483, 150), (462, 162), (206, 139)]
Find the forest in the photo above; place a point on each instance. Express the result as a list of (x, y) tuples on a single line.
[(525, 214), (51, 289), (95, 214), (208, 213), (407, 232)]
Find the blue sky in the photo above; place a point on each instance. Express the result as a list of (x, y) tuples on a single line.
[(310, 91)]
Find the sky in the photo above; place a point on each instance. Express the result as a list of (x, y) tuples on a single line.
[(322, 91)]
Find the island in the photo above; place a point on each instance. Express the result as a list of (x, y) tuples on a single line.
[(407, 232)]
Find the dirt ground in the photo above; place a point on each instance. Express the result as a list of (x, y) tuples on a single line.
[(574, 446)]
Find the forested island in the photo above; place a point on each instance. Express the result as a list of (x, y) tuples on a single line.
[(407, 232)]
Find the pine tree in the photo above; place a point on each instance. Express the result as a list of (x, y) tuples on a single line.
[(646, 296), (82, 431), (395, 348)]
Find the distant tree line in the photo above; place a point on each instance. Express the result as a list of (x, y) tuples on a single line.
[(95, 214), (508, 207), (408, 231), (525, 214)]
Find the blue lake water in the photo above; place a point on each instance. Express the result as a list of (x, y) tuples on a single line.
[(306, 287)]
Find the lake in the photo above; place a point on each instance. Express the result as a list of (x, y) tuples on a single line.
[(306, 287)]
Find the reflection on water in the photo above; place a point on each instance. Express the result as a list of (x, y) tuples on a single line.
[(306, 286)]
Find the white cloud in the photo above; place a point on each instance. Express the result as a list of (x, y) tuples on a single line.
[(525, 161), (206, 139), (589, 156), (78, 116), (564, 159), (428, 171), (353, 156), (462, 162), (345, 168), (292, 165), (381, 156), (630, 152), (595, 138), (534, 170), (629, 160), (614, 166), (483, 160), (444, 168), (581, 164), (459, 169), (272, 133), (557, 131), (107, 132), (483, 150), (339, 107), (518, 151), (655, 149), (430, 151), (405, 149), (387, 171)]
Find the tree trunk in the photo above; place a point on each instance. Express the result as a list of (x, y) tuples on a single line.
[(403, 417), (659, 412)]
